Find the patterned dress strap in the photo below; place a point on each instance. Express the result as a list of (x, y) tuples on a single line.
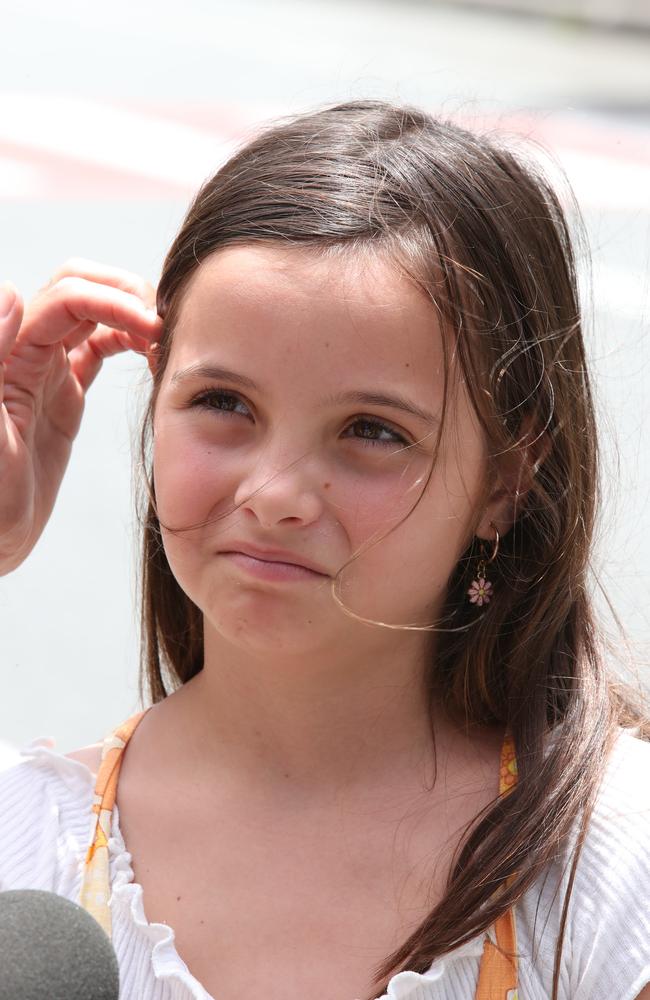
[(498, 975), (95, 884)]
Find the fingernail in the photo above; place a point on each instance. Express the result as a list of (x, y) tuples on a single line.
[(7, 299)]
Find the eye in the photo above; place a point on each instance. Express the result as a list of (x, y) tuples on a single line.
[(371, 431), (374, 432), (218, 399)]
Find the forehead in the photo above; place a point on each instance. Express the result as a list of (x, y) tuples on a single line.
[(299, 308)]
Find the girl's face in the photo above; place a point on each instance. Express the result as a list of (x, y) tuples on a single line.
[(299, 412)]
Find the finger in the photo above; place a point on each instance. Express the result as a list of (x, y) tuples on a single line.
[(86, 360), (107, 342), (99, 333), (78, 333), (71, 309), (104, 274), (85, 364)]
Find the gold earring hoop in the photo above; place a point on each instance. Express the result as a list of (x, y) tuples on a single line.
[(481, 590)]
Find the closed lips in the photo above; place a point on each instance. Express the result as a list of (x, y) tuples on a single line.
[(276, 555)]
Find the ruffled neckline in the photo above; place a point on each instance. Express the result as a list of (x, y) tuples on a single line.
[(127, 895)]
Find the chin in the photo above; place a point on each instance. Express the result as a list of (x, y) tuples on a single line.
[(268, 638)]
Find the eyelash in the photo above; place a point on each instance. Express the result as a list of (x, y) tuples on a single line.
[(202, 399)]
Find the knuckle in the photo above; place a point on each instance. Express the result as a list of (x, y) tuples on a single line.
[(67, 285), (76, 265), (71, 266)]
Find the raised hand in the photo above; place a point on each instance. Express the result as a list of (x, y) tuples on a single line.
[(50, 353)]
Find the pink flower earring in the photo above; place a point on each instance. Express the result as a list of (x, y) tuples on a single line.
[(480, 592)]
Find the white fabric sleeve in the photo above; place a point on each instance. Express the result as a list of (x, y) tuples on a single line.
[(45, 806), (608, 932)]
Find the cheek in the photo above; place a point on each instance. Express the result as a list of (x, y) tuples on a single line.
[(422, 544), (376, 501), (186, 481), (190, 494), (413, 561)]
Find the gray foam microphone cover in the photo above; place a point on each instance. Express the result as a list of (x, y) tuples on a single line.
[(52, 949)]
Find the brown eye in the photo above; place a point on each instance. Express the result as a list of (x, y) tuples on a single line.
[(219, 400), (375, 432)]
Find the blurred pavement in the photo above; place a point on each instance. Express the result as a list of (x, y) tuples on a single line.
[(106, 130)]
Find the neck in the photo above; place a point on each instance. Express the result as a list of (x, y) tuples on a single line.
[(357, 714)]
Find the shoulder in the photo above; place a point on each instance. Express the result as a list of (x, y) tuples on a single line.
[(617, 843), (89, 756), (610, 917), (616, 848), (608, 927), (45, 816)]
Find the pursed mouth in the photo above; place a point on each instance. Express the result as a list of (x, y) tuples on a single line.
[(272, 562)]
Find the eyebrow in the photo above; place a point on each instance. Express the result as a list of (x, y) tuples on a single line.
[(396, 401)]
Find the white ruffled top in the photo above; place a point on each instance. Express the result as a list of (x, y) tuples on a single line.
[(45, 829)]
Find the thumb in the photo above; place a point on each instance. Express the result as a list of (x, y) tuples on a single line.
[(11, 315)]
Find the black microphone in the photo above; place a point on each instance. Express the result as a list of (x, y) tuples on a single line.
[(52, 949)]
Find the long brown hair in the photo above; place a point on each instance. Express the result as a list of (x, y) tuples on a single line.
[(482, 232)]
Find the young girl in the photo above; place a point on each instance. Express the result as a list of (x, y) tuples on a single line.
[(383, 755)]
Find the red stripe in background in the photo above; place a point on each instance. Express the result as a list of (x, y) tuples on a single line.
[(60, 176), (597, 137), (556, 129)]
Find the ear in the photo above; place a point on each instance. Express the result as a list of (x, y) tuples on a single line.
[(516, 471)]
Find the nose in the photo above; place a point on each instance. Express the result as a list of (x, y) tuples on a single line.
[(279, 492)]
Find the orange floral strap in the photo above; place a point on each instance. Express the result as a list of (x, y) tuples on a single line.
[(95, 885), (498, 973)]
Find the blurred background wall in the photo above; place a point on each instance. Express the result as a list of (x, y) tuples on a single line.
[(111, 115), (608, 13)]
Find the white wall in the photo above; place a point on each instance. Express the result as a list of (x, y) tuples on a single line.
[(623, 13)]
